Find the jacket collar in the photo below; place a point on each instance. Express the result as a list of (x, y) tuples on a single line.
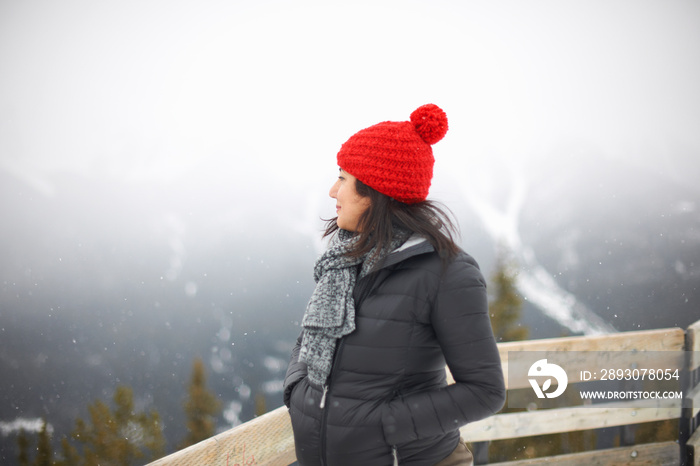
[(414, 245)]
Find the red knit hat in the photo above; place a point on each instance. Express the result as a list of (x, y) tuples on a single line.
[(395, 158)]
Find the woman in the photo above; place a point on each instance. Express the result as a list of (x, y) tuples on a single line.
[(395, 301)]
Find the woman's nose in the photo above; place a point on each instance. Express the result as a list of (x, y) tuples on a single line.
[(334, 190)]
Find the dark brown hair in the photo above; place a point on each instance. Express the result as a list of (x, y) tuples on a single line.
[(377, 224)]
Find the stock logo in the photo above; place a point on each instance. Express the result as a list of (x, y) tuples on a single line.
[(541, 369)]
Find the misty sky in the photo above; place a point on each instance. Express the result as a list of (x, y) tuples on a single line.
[(152, 91), (187, 122)]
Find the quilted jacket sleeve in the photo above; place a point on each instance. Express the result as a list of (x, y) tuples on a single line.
[(296, 371), (463, 329)]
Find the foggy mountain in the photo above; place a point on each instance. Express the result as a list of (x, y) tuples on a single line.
[(107, 282), (623, 237), (99, 289)]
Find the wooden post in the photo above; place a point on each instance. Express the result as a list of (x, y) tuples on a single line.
[(693, 347), (688, 423), (693, 450)]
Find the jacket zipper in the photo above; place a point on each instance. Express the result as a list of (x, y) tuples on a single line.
[(336, 358), (322, 404), (394, 448)]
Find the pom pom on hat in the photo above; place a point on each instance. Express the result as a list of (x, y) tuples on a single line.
[(430, 122), (395, 158)]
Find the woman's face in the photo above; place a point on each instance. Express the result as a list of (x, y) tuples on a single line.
[(349, 205)]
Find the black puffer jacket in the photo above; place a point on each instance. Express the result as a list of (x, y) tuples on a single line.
[(387, 388)]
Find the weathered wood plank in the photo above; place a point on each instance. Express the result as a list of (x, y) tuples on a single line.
[(266, 440), (552, 421), (574, 362), (668, 339), (652, 454)]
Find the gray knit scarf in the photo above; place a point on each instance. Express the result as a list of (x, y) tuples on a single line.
[(330, 313)]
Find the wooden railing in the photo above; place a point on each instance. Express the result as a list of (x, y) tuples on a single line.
[(268, 440)]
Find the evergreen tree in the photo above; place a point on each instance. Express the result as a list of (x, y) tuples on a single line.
[(44, 452), (71, 457), (505, 304), (260, 404), (23, 447), (122, 437), (154, 441), (201, 407)]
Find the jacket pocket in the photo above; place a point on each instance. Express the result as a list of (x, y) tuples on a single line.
[(306, 425), (290, 384)]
